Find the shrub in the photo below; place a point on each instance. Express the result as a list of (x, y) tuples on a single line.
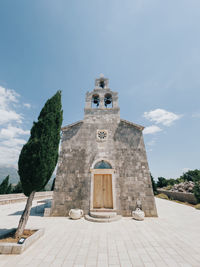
[(5, 187), (154, 186), (163, 196), (197, 207), (196, 191), (17, 188), (191, 175), (161, 182)]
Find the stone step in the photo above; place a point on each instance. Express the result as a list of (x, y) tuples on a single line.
[(103, 215), (103, 220), (102, 210)]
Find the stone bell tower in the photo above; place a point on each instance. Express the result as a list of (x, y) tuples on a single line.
[(101, 103), (102, 163)]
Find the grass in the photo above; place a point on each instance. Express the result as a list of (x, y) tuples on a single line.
[(197, 206)]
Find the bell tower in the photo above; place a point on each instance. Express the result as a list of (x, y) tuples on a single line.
[(101, 101)]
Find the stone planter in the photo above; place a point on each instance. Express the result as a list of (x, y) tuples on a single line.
[(138, 214), (14, 248), (75, 214)]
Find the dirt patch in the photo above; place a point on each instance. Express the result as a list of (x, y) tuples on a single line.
[(9, 238)]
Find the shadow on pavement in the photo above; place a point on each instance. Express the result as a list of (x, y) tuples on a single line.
[(35, 211), (5, 231)]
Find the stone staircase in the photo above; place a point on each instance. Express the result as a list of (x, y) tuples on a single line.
[(102, 216)]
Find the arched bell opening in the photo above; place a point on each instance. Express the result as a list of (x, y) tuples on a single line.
[(108, 103), (95, 101), (102, 83)]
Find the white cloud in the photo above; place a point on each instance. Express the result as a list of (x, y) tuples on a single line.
[(162, 116), (10, 145), (27, 105), (9, 155), (15, 142), (10, 127), (8, 97), (8, 116), (152, 129), (151, 142), (196, 115), (12, 131)]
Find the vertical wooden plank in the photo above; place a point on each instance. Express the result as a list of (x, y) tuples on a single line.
[(107, 191), (98, 191)]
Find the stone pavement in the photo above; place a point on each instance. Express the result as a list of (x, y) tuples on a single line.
[(173, 239)]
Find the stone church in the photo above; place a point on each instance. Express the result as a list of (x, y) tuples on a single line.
[(103, 164)]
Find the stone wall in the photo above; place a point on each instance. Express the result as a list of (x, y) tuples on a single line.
[(184, 197), (124, 149), (13, 198), (134, 176)]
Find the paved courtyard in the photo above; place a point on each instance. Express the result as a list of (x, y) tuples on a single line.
[(172, 239)]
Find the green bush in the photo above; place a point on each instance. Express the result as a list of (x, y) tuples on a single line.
[(163, 196), (191, 175), (196, 191), (161, 182), (5, 187), (197, 207), (154, 186), (17, 188)]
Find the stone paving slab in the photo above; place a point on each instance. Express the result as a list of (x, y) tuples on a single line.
[(172, 239)]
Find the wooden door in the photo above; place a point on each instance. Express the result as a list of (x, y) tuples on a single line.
[(102, 194)]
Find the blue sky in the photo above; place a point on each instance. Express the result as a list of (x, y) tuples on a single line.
[(149, 50)]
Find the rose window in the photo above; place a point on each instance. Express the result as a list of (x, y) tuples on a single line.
[(102, 134)]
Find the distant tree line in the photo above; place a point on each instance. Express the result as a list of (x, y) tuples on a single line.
[(7, 188), (191, 175)]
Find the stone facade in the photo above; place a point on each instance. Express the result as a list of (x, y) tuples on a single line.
[(102, 136)]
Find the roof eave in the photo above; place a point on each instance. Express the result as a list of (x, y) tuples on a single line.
[(139, 127), (70, 125)]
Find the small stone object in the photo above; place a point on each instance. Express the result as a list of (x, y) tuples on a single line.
[(138, 214), (75, 214)]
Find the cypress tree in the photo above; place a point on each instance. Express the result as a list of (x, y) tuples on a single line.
[(4, 185), (9, 189), (17, 188), (39, 155), (154, 186)]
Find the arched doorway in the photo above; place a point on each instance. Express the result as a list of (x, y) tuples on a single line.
[(102, 185)]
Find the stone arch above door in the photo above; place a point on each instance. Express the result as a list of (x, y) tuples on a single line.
[(102, 165), (108, 163)]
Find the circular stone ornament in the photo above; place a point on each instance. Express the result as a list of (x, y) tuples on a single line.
[(102, 135)]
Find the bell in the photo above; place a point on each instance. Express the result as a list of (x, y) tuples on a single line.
[(107, 101), (96, 101), (102, 84)]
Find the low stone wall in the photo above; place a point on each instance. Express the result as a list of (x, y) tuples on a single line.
[(184, 197), (13, 198)]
